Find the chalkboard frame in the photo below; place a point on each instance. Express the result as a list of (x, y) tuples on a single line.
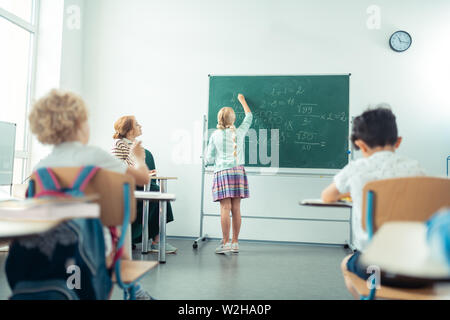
[(284, 171)]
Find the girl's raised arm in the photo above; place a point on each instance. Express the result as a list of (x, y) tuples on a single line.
[(241, 99)]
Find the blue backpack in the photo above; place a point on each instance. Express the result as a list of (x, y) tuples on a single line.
[(65, 263), (438, 236)]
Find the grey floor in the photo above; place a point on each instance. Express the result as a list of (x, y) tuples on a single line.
[(260, 271)]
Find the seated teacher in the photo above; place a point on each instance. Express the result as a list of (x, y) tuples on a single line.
[(127, 129)]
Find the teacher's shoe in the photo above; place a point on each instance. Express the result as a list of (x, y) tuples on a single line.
[(169, 248), (223, 248), (235, 247)]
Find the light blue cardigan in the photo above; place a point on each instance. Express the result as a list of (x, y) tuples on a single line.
[(221, 146)]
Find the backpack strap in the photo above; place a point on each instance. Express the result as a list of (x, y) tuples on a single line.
[(49, 185), (46, 179), (84, 176)]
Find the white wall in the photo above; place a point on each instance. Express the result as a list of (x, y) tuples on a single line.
[(72, 47), (151, 59)]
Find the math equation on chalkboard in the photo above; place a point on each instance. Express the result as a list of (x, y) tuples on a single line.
[(298, 121)]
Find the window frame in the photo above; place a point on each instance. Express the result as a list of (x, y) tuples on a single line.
[(31, 27)]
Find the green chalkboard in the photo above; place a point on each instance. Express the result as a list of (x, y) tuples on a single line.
[(305, 118)]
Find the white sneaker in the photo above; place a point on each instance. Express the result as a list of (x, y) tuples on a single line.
[(222, 248), (235, 247)]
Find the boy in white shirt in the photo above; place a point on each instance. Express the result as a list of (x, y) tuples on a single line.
[(375, 134)]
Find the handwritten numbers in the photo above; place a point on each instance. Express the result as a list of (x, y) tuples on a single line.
[(300, 90)]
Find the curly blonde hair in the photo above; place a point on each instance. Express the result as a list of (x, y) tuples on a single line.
[(56, 117)]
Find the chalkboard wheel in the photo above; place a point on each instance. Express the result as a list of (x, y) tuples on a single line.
[(195, 245)]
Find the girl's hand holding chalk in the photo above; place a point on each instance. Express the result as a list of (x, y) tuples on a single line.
[(241, 99)]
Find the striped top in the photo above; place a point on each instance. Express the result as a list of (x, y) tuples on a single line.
[(223, 144), (122, 150)]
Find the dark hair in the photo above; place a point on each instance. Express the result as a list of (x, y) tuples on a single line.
[(376, 127)]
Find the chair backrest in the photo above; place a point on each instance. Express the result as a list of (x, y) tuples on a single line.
[(405, 199), (108, 185)]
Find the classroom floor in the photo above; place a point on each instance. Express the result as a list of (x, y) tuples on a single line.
[(260, 271)]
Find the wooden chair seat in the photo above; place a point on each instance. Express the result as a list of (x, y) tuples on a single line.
[(391, 293), (133, 270)]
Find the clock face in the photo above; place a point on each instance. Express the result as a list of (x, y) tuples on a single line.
[(400, 41)]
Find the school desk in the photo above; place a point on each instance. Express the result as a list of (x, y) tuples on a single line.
[(145, 213), (13, 229), (401, 248), (162, 198), (337, 204)]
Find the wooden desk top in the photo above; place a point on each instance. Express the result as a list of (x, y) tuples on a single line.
[(130, 270), (162, 178)]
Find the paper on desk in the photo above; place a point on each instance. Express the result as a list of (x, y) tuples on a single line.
[(47, 209), (319, 202)]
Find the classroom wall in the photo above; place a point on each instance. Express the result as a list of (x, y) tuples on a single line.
[(71, 77), (152, 59)]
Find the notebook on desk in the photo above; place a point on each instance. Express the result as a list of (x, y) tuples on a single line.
[(46, 209), (319, 202)]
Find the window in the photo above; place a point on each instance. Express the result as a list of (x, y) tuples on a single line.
[(20, 8), (18, 25)]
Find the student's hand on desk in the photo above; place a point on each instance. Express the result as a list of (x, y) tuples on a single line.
[(138, 151), (152, 172)]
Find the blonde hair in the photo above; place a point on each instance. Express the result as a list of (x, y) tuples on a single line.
[(56, 117), (225, 120), (123, 126)]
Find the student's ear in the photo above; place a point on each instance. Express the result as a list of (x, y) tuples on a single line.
[(399, 141), (362, 145)]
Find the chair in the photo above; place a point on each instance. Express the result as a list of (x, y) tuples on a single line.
[(400, 199), (117, 208)]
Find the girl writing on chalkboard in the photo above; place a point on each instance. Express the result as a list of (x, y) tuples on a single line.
[(225, 151)]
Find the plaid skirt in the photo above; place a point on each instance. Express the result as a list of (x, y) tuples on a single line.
[(230, 183)]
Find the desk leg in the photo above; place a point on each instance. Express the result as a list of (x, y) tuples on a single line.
[(145, 213), (162, 224)]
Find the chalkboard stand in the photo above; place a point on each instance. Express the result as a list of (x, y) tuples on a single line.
[(202, 237)]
